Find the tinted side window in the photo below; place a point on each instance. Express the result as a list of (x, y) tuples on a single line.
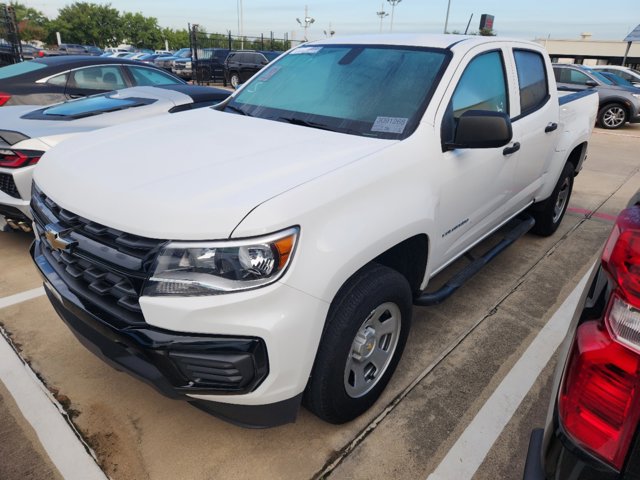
[(532, 79), (483, 86), (98, 78), (569, 75), (148, 76), (58, 80)]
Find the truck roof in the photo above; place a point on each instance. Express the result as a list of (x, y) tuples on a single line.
[(418, 40)]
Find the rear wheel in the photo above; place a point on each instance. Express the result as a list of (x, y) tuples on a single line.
[(549, 213), (612, 116), (365, 335)]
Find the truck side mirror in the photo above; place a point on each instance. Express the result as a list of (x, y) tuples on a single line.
[(481, 129)]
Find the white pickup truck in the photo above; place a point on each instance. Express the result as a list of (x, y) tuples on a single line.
[(268, 251)]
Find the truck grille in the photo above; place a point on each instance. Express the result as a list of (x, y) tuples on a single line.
[(8, 186), (105, 269)]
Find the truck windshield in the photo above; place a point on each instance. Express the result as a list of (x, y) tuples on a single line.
[(377, 91)]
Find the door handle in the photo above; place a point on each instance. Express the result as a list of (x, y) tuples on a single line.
[(513, 149), (550, 127)]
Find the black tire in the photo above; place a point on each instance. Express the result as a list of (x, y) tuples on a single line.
[(372, 289), (550, 212), (612, 116), (234, 80)]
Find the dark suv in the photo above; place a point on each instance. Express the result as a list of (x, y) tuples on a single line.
[(241, 65), (210, 65), (618, 104)]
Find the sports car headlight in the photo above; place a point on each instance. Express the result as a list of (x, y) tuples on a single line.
[(212, 268)]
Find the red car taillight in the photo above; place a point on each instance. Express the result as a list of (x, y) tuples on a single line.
[(19, 158), (599, 401), (4, 98)]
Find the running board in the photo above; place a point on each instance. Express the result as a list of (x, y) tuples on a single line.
[(521, 225)]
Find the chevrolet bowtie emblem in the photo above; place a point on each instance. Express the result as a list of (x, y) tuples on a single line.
[(56, 236)]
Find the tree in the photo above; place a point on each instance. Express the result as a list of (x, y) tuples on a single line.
[(486, 32), (176, 38), (141, 31), (32, 23), (89, 24)]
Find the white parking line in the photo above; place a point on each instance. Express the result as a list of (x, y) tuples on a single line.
[(21, 297), (467, 454), (71, 456)]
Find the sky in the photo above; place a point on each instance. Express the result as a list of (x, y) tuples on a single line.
[(527, 19)]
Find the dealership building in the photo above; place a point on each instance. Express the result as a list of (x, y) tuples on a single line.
[(592, 52)]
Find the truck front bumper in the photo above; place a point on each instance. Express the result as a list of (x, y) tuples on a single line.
[(198, 368)]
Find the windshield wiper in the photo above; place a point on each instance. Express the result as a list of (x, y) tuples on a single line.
[(237, 110), (305, 123)]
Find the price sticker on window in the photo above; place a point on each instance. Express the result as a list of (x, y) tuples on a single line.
[(389, 124)]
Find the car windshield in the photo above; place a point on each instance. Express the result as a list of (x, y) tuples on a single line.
[(376, 91), (599, 76), (88, 107), (617, 80), (20, 68)]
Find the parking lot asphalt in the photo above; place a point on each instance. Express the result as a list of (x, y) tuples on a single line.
[(457, 355)]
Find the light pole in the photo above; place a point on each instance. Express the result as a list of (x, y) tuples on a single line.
[(240, 23), (306, 22), (446, 19), (382, 14), (393, 7)]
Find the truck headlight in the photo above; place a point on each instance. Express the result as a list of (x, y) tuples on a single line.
[(187, 65), (212, 268)]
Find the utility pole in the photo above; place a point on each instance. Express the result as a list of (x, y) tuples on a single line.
[(393, 7), (382, 14)]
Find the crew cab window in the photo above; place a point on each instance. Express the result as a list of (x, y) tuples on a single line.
[(569, 75), (483, 86), (532, 79), (97, 78), (149, 77)]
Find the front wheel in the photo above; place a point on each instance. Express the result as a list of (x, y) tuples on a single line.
[(612, 116), (365, 335), (549, 213), (234, 80)]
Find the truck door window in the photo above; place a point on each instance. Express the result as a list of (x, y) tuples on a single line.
[(532, 80), (483, 86)]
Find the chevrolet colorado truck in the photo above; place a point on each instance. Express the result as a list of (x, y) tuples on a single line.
[(268, 252)]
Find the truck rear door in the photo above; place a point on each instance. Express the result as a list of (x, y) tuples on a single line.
[(535, 124)]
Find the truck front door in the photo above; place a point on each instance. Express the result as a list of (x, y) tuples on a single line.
[(476, 183)]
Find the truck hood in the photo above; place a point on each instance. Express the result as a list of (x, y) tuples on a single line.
[(192, 176)]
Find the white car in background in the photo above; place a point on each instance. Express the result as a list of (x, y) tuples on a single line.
[(628, 74), (27, 132)]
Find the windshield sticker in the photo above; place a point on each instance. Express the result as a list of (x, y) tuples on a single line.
[(305, 50), (389, 124), (269, 73)]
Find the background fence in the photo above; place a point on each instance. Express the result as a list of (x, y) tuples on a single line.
[(10, 47), (209, 50)]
